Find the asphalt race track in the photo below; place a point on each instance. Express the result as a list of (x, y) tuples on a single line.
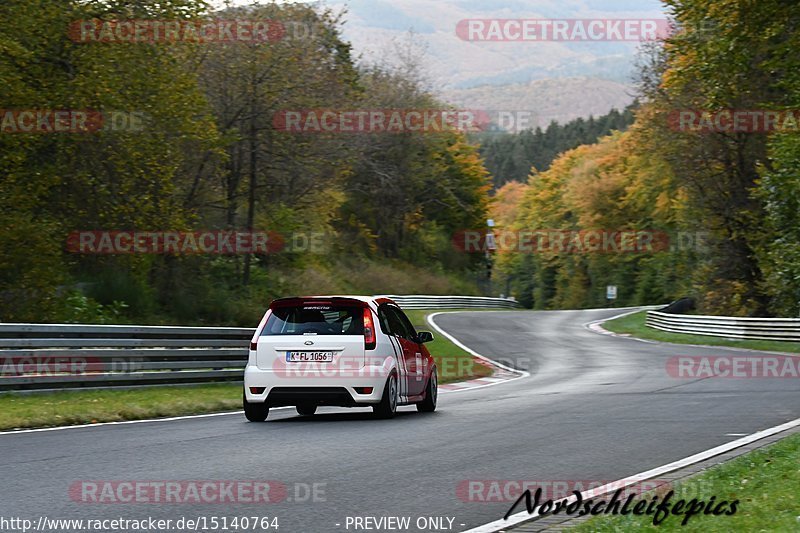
[(594, 408)]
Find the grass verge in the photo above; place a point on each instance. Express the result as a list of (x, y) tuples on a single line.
[(69, 408), (766, 482), (634, 325), (92, 406)]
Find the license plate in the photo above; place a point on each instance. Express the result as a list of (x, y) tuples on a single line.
[(309, 357)]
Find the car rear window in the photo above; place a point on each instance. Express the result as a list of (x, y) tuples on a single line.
[(315, 319)]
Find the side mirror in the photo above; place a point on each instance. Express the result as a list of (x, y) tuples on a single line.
[(424, 336)]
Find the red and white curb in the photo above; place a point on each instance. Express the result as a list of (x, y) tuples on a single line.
[(500, 372), (494, 379), (597, 325)]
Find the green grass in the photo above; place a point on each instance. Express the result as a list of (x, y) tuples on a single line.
[(86, 407), (634, 325), (452, 363), (67, 408), (766, 482)]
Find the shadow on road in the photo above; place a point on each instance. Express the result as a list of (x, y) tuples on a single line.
[(366, 416)]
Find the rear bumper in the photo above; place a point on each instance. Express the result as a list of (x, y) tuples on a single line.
[(281, 389)]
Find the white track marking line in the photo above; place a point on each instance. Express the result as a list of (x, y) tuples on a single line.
[(500, 525), (520, 373), (458, 343), (125, 422)]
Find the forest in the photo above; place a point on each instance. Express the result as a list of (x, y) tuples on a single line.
[(188, 144), (181, 137), (510, 157), (727, 194)]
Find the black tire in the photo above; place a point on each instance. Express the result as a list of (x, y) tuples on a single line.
[(306, 409), (255, 412), (428, 405), (388, 406)]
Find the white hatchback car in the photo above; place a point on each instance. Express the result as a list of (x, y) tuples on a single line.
[(326, 350)]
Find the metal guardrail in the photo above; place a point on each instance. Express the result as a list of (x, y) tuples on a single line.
[(70, 356), (77, 356), (777, 329), (451, 302)]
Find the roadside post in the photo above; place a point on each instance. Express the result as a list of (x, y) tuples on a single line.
[(491, 247), (611, 293)]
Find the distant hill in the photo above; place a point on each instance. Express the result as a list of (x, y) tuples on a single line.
[(557, 80), (562, 99), (372, 25)]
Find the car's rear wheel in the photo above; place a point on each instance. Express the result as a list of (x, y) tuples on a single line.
[(388, 406), (428, 405), (255, 412), (306, 409)]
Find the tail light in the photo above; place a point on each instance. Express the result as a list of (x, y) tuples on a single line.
[(369, 330), (254, 346)]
